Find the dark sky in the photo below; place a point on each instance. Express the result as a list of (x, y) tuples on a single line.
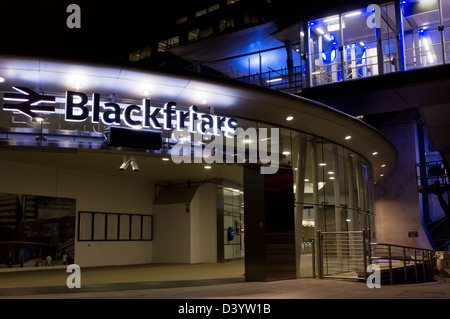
[(107, 27)]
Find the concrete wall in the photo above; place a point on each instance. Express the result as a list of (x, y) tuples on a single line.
[(171, 234), (397, 202), (181, 237), (204, 225), (93, 192)]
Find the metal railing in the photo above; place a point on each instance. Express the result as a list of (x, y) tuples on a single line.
[(347, 254), (343, 254), (286, 79), (410, 261)]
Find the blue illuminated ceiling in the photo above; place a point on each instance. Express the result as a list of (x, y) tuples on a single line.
[(216, 52)]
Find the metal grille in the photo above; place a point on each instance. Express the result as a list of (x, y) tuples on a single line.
[(343, 254)]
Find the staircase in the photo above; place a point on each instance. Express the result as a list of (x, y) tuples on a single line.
[(432, 179), (402, 264)]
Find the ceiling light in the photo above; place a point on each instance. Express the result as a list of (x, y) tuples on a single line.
[(38, 119), (352, 14), (247, 141), (335, 27), (384, 165), (165, 159), (331, 177), (323, 164), (320, 30), (2, 79), (289, 118), (348, 137), (286, 153), (375, 153), (204, 101), (331, 19), (207, 167), (330, 173), (146, 92), (77, 85)]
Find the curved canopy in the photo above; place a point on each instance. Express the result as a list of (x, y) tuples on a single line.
[(225, 97)]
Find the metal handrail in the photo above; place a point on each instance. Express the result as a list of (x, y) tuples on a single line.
[(355, 252), (426, 259)]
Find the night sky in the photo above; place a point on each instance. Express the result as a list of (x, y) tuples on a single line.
[(109, 28)]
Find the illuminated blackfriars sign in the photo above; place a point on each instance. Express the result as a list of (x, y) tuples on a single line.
[(145, 115), (189, 127), (79, 109)]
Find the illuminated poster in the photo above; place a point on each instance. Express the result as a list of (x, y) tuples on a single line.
[(36, 231)]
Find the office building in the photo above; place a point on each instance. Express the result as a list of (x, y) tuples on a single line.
[(333, 93)]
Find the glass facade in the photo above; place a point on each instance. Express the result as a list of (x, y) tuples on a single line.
[(333, 188), (409, 34), (333, 191), (233, 219)]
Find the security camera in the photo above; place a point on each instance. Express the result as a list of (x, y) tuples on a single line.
[(125, 164), (134, 165)]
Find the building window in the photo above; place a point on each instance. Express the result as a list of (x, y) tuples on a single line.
[(324, 43), (422, 35), (214, 8), (169, 43), (162, 46), (359, 45), (181, 20), (193, 35), (174, 41), (445, 9), (233, 217), (226, 24), (206, 31), (344, 46), (389, 39), (200, 13), (140, 54)]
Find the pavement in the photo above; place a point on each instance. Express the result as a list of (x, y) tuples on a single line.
[(197, 281), (183, 285)]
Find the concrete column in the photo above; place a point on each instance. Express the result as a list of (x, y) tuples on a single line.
[(350, 180), (289, 60), (358, 191), (315, 183), (299, 195), (337, 203), (400, 37)]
